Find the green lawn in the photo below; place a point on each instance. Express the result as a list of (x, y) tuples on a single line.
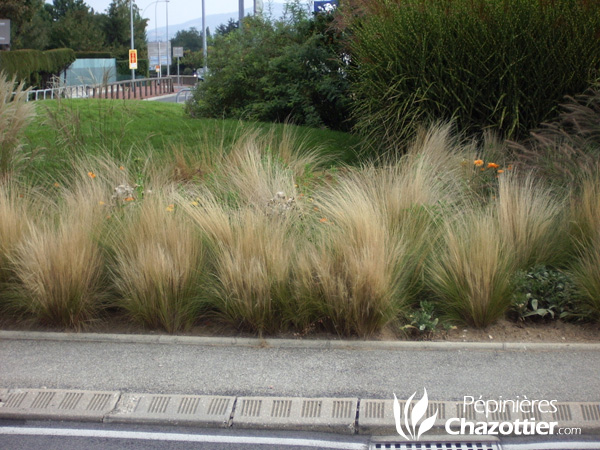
[(120, 128)]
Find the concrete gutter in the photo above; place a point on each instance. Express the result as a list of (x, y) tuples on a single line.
[(333, 415), (295, 343)]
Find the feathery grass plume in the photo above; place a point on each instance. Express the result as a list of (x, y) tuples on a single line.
[(354, 277), (251, 254), (59, 268), (585, 210), (260, 166), (586, 274), (566, 149), (531, 220), (15, 114), (471, 271), (158, 265)]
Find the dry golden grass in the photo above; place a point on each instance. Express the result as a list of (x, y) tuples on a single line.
[(59, 268), (15, 114), (531, 221), (471, 270), (158, 265)]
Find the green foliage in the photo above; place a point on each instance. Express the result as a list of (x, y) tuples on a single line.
[(188, 39), (36, 67), (142, 70), (93, 55), (502, 65), (423, 321), (544, 293), (277, 71)]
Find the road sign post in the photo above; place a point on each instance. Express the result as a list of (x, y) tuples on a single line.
[(133, 61), (178, 52)]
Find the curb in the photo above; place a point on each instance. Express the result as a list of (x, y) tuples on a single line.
[(332, 415), (294, 343)]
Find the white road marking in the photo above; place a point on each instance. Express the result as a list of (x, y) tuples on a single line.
[(180, 437)]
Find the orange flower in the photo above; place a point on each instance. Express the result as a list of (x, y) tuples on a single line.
[(322, 220), (492, 166), (128, 199), (91, 175), (315, 208), (478, 162), (170, 208), (501, 171), (121, 168), (56, 185), (509, 167)]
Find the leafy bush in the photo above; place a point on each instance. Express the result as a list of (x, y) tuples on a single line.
[(503, 65), (287, 70), (544, 293)]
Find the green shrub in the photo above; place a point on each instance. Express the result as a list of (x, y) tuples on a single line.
[(277, 71), (503, 65), (35, 67), (543, 292)]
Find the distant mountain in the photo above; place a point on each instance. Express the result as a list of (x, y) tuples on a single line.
[(212, 21)]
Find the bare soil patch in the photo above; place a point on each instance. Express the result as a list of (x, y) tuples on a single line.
[(503, 331)]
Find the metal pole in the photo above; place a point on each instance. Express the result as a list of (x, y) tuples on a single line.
[(204, 47), (168, 41), (241, 13), (159, 74), (132, 43)]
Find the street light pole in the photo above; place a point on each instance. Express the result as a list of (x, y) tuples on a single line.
[(204, 47), (132, 43), (168, 41)]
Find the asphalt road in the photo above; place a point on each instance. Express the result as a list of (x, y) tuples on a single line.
[(562, 375)]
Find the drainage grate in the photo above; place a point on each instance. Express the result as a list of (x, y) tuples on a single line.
[(71, 400), (251, 408), (435, 446), (591, 412), (281, 408), (311, 408), (42, 400), (218, 406), (15, 400), (563, 413), (188, 405), (343, 409), (374, 409)]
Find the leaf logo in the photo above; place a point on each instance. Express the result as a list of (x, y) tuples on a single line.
[(416, 414)]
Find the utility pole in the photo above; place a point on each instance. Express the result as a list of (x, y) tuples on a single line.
[(204, 47), (132, 43)]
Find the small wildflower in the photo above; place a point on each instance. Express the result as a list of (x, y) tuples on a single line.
[(91, 175), (128, 199), (121, 168), (500, 171), (478, 162), (56, 185), (194, 203), (509, 167), (322, 220), (482, 169), (315, 208), (101, 203), (170, 208), (492, 166)]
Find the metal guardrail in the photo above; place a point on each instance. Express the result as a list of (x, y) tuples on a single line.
[(140, 88)]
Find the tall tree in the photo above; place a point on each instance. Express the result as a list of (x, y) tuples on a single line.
[(20, 13), (117, 29), (188, 39)]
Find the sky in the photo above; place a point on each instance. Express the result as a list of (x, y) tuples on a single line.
[(180, 11)]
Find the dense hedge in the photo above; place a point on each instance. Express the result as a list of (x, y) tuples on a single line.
[(142, 70), (503, 65), (93, 55), (36, 67)]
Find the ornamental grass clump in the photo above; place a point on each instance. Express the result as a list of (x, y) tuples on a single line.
[(251, 257), (158, 266), (531, 220), (470, 270), (59, 268), (15, 114), (354, 276), (585, 272)]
